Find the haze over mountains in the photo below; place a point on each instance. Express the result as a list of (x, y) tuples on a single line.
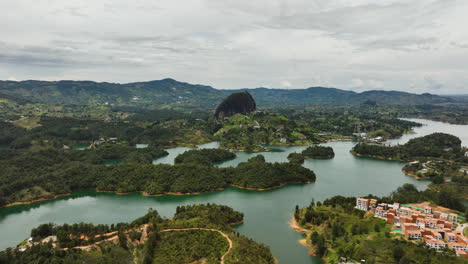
[(169, 92)]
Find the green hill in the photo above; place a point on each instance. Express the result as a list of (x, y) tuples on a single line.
[(174, 94)]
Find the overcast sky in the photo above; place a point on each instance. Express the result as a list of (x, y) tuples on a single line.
[(409, 45)]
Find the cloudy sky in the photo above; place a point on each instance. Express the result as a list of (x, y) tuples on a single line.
[(418, 45)]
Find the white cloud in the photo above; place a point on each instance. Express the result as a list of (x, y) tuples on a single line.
[(286, 84), (350, 44)]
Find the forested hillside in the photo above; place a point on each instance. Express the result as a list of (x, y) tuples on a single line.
[(436, 145), (169, 92), (196, 234)]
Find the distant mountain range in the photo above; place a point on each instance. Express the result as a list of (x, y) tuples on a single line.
[(171, 93)]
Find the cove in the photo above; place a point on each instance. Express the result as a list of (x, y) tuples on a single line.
[(266, 213)]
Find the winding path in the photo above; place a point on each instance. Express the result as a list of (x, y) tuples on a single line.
[(144, 236), (206, 229)]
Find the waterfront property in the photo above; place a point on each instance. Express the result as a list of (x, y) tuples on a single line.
[(434, 228)]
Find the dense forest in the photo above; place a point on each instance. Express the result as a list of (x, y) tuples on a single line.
[(436, 145), (42, 133), (204, 156), (336, 230), (26, 176), (318, 152), (196, 233)]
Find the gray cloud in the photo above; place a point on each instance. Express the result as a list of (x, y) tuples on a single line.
[(350, 44)]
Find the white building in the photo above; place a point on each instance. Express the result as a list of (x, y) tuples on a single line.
[(457, 246), (362, 204), (435, 244)]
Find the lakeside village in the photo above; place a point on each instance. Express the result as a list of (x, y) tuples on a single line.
[(435, 229)]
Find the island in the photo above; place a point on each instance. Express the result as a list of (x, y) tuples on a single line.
[(437, 157), (196, 234), (320, 152), (436, 145), (49, 174)]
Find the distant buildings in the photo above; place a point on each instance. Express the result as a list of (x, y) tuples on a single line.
[(434, 228)]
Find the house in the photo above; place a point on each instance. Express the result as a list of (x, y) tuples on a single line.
[(406, 219), (380, 212), (466, 154), (443, 216), (453, 217), (362, 204), (410, 227), (461, 253), (391, 217), (451, 237), (435, 244), (457, 246), (413, 234), (428, 210), (436, 235), (430, 223)]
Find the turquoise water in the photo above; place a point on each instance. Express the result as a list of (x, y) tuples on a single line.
[(266, 213)]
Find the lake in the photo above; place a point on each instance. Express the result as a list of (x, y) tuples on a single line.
[(266, 213)]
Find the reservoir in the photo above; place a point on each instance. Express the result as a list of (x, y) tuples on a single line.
[(266, 212)]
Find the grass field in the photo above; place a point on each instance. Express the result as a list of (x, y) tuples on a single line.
[(28, 122)]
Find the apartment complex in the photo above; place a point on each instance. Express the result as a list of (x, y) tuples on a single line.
[(435, 229)]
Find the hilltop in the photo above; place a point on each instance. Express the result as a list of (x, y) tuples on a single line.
[(175, 94), (236, 103)]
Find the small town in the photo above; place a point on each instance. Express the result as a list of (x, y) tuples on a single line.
[(436, 229)]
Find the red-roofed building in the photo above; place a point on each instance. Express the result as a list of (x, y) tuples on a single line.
[(457, 246), (461, 253), (435, 244), (390, 217), (413, 234), (410, 227)]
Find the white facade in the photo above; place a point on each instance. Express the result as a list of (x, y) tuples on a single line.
[(362, 204), (435, 245)]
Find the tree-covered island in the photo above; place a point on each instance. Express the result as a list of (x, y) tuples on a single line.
[(30, 176), (437, 157)]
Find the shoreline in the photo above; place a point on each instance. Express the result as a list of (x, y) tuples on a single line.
[(374, 157), (319, 157), (413, 175), (143, 193), (37, 200), (268, 188), (295, 225)]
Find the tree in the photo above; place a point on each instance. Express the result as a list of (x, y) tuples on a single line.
[(398, 253), (122, 240)]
